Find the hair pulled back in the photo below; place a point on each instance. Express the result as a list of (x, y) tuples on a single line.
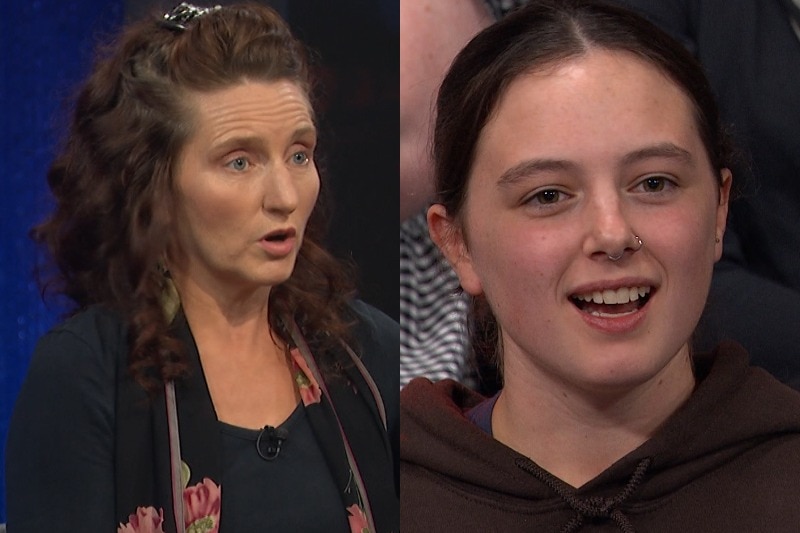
[(538, 35), (113, 179)]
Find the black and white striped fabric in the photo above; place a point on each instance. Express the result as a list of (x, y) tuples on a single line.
[(433, 311)]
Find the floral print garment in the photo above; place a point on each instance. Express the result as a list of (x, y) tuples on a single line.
[(201, 507), (310, 393), (202, 502), (357, 520), (146, 520)]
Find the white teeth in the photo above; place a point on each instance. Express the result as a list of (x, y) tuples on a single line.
[(610, 297), (611, 315), (622, 295)]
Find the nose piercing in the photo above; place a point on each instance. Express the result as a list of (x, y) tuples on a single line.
[(619, 256)]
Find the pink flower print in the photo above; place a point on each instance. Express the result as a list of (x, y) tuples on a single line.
[(357, 519), (306, 384), (201, 506), (146, 520)]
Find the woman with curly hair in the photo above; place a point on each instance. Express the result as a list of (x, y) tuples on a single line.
[(214, 344)]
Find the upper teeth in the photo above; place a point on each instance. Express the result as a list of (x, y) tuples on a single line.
[(622, 295)]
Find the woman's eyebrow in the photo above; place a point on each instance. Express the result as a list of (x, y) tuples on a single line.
[(533, 166), (666, 150), (254, 142), (528, 167), (305, 132), (238, 142)]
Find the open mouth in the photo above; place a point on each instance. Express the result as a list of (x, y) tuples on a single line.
[(612, 303), (279, 236)]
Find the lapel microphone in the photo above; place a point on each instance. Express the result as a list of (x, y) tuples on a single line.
[(269, 442)]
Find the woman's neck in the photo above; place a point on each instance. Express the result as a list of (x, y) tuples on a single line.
[(246, 366), (226, 321), (576, 434)]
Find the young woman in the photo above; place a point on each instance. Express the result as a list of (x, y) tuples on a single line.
[(583, 190), (215, 372)]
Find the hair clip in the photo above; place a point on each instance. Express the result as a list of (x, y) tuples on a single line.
[(182, 14)]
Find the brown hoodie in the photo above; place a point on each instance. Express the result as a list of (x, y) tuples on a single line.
[(727, 461)]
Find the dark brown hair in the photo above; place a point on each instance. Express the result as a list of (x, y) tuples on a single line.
[(536, 36), (113, 180)]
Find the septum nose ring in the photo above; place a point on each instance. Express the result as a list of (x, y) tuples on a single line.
[(618, 257)]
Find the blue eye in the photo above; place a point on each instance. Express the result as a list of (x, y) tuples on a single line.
[(300, 158), (239, 164)]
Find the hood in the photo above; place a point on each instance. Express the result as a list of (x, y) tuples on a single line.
[(733, 409)]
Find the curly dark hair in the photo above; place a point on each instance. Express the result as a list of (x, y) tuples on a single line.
[(113, 179)]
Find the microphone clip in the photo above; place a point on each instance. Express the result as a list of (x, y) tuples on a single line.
[(269, 442)]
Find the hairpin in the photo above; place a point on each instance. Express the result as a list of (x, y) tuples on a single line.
[(182, 14)]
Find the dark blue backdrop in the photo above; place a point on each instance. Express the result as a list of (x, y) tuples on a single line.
[(46, 48)]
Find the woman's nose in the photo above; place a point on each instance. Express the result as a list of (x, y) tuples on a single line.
[(610, 234), (280, 191)]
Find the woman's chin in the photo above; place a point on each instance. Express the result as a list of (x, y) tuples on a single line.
[(628, 369)]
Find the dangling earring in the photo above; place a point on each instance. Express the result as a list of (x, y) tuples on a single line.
[(170, 299)]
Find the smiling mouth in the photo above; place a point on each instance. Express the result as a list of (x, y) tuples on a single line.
[(613, 303)]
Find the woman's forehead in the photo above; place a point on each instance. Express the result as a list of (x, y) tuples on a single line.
[(601, 100)]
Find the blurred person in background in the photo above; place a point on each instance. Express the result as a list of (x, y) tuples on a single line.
[(433, 326)]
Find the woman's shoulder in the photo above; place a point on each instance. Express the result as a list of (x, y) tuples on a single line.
[(376, 335), (94, 322), (68, 395), (727, 372), (93, 336), (375, 323), (377, 342)]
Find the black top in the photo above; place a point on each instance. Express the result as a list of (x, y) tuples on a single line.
[(255, 488), (62, 471)]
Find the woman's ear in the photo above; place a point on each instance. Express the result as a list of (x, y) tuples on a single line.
[(722, 208), (449, 237)]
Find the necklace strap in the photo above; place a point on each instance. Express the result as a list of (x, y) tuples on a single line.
[(300, 342), (175, 456), (373, 388)]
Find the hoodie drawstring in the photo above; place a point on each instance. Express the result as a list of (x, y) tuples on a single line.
[(594, 506)]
